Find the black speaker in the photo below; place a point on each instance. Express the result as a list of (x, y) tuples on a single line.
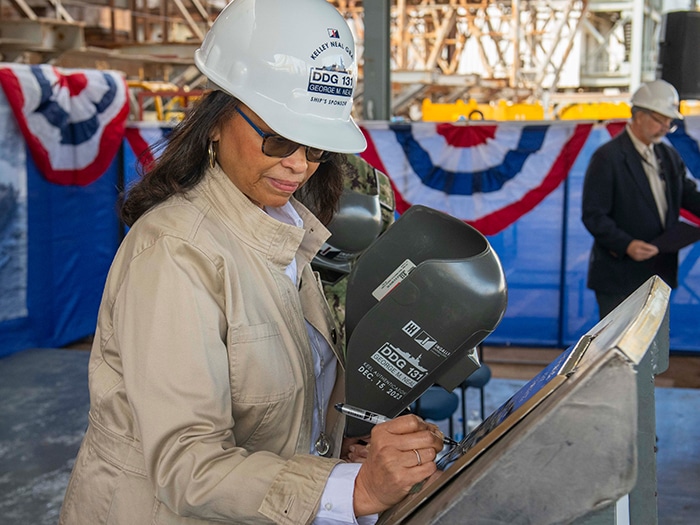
[(679, 52)]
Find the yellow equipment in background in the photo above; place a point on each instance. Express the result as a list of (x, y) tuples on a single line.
[(471, 110), (503, 110), (594, 111), (161, 101)]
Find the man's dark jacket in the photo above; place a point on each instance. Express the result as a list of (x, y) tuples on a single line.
[(618, 207)]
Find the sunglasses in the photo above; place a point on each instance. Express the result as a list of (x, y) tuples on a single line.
[(670, 126), (277, 146)]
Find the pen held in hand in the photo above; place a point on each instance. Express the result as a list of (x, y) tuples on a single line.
[(375, 419)]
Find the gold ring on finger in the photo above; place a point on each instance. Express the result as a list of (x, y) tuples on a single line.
[(420, 461)]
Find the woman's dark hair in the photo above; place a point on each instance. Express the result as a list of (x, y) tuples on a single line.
[(321, 194), (185, 158)]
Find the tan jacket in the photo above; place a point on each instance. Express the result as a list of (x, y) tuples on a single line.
[(201, 373)]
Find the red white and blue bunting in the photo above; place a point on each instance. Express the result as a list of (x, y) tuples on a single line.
[(147, 140), (72, 120), (488, 175)]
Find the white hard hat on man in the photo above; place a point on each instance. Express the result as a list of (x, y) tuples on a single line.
[(658, 96), (293, 63)]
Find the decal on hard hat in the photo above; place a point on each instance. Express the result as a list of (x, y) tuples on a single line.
[(292, 63), (335, 83), (332, 78)]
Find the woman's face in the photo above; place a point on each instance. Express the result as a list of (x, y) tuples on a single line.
[(266, 181)]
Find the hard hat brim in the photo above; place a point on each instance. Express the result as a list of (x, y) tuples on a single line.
[(339, 136), (677, 115)]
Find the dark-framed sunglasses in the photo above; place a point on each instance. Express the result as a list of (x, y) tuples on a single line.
[(277, 146)]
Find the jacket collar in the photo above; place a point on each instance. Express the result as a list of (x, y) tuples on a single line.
[(634, 164), (278, 241), (638, 144)]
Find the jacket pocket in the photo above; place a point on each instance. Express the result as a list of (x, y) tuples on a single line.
[(260, 366)]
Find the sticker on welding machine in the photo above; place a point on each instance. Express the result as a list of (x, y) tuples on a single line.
[(393, 280)]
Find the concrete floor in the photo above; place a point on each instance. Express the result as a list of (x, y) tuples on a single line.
[(44, 414)]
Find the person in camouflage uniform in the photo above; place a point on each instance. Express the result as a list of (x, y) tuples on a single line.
[(362, 177)]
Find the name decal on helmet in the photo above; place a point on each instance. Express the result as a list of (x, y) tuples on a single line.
[(331, 81), (401, 365)]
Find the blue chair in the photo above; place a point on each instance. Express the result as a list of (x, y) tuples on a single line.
[(437, 404)]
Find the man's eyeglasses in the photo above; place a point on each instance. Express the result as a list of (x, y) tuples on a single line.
[(277, 146), (669, 125)]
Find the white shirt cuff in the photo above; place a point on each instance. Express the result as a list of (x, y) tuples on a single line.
[(337, 498)]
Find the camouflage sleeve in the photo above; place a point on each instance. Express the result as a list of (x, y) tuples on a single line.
[(364, 178), (386, 199), (335, 295)]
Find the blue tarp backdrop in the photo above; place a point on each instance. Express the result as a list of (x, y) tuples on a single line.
[(72, 234)]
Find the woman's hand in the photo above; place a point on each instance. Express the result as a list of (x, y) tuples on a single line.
[(355, 450), (402, 453)]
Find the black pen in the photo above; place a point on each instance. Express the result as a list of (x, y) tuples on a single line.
[(375, 419)]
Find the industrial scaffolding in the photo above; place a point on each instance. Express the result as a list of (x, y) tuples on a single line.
[(443, 50)]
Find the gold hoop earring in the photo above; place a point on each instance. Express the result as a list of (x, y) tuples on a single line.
[(212, 154)]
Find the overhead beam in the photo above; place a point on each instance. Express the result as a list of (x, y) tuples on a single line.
[(196, 31), (24, 9), (61, 11)]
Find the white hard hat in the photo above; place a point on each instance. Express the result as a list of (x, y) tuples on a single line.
[(293, 63), (659, 96)]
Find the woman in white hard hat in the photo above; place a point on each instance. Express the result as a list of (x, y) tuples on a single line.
[(633, 191), (215, 356)]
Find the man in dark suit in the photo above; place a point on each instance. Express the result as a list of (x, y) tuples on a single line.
[(633, 191)]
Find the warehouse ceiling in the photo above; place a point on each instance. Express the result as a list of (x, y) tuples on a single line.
[(441, 50)]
